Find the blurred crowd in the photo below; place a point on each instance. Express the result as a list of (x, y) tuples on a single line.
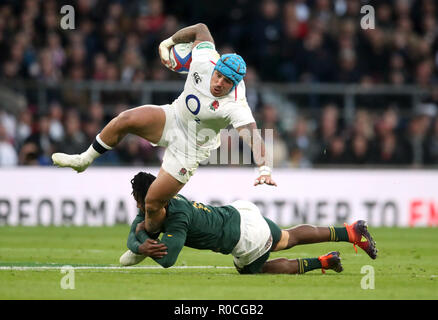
[(289, 41), (376, 139)]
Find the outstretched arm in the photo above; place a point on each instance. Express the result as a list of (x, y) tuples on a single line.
[(196, 33), (251, 135)]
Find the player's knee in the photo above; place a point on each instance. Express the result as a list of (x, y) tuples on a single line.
[(124, 120), (167, 264)]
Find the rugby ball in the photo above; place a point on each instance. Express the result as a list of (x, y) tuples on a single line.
[(181, 57)]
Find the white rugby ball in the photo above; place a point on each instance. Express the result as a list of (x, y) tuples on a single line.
[(181, 57)]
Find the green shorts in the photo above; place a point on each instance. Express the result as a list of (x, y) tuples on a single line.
[(257, 265)]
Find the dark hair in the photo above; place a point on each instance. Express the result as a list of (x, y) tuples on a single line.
[(140, 185)]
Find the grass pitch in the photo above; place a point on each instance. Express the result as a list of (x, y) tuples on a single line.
[(31, 259)]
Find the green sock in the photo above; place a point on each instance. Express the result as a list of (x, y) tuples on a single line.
[(308, 264), (338, 234)]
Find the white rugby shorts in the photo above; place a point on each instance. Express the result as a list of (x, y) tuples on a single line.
[(255, 235), (180, 158)]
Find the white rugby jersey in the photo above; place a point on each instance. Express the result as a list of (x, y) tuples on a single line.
[(199, 114)]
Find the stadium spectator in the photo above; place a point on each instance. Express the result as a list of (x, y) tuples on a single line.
[(47, 70), (363, 125), (417, 131), (252, 94), (375, 54), (358, 150), (315, 63), (267, 35), (91, 128), (56, 50), (74, 139), (389, 151), (136, 151), (131, 61), (279, 149), (8, 121), (28, 155), (8, 155), (301, 144), (96, 112), (130, 151), (348, 69), (269, 116), (99, 67), (24, 127), (335, 152), (328, 126), (388, 122), (56, 130), (431, 145), (424, 73), (271, 125), (297, 159), (45, 144)]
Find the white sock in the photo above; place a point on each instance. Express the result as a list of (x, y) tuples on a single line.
[(90, 154), (95, 150)]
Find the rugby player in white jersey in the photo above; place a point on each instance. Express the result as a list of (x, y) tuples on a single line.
[(213, 98)]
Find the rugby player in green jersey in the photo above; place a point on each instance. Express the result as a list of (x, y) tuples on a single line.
[(238, 229)]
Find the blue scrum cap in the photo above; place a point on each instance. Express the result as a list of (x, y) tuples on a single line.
[(232, 66)]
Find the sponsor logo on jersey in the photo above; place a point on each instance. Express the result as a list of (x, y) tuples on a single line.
[(214, 105), (197, 78), (205, 45)]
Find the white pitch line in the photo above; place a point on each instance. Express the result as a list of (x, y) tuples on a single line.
[(41, 268)]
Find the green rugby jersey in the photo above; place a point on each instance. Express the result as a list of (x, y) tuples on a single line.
[(199, 226)]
